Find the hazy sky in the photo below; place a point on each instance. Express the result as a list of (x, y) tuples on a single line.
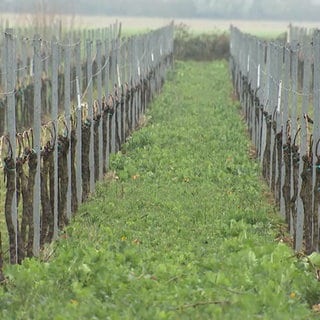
[(217, 9)]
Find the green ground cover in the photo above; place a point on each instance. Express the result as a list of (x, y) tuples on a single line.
[(182, 229)]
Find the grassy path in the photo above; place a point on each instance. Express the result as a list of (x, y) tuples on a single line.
[(181, 231)]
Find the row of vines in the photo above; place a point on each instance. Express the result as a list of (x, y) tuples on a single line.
[(66, 104), (278, 84)]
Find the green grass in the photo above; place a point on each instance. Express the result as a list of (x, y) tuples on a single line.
[(181, 230)]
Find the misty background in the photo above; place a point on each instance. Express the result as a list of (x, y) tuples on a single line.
[(294, 10)]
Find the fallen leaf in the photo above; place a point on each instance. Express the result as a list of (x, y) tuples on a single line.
[(316, 307)]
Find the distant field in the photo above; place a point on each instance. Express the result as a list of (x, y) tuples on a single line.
[(141, 23)]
